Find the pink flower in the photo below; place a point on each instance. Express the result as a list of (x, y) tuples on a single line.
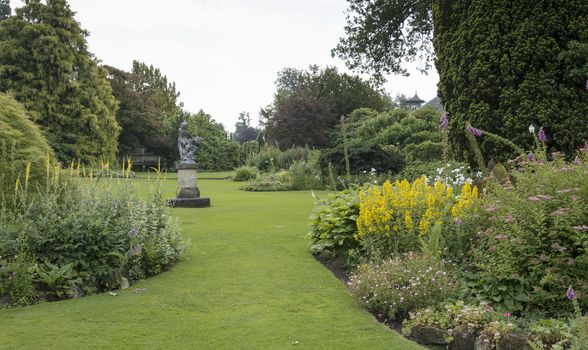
[(541, 135), (506, 314), (444, 122), (508, 218), (474, 131), (570, 293)]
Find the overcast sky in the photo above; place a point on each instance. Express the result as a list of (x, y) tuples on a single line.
[(224, 55)]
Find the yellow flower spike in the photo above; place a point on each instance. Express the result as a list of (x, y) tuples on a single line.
[(27, 174), (17, 185), (48, 165), (129, 166)]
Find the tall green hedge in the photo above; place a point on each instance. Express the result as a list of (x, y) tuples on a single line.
[(507, 64), (20, 142)]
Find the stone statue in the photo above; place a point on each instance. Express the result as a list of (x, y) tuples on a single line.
[(187, 145)]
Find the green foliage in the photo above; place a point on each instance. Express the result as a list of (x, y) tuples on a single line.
[(361, 158), (216, 152), (508, 65), (5, 10), (45, 63), (16, 281), (245, 173), (404, 284), (414, 134), (305, 176), (308, 104), (380, 35), (244, 132), (532, 240), (59, 280), (332, 223), (148, 109), (270, 182), (77, 232), (21, 142)]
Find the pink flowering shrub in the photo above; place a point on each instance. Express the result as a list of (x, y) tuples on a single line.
[(398, 286), (532, 238)]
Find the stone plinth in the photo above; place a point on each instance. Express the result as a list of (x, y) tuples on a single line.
[(188, 194)]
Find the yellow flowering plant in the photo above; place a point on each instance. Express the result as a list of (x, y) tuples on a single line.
[(399, 216)]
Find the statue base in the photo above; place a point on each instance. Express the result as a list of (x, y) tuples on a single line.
[(188, 194)]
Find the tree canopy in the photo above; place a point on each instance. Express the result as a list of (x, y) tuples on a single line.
[(217, 151), (148, 109), (45, 63), (243, 130), (503, 65), (382, 34), (308, 103)]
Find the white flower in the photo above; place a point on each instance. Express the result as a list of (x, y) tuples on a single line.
[(532, 129)]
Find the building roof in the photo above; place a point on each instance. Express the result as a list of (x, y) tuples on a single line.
[(436, 104), (415, 99)]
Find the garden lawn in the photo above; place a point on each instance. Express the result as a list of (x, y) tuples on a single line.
[(248, 282)]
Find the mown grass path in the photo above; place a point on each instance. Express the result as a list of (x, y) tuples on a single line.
[(249, 282)]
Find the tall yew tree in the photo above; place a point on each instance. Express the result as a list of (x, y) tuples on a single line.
[(45, 64), (503, 65)]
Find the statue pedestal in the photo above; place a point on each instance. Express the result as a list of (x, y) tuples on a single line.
[(188, 194)]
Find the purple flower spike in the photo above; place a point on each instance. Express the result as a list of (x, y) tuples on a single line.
[(444, 122), (531, 156), (586, 84), (541, 135), (570, 293), (457, 221), (474, 131)]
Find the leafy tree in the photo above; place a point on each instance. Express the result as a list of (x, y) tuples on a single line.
[(147, 111), (45, 63), (503, 65), (5, 10), (382, 34), (243, 130), (217, 151), (309, 103)]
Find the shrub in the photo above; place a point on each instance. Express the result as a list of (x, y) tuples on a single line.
[(452, 316), (270, 182), (450, 173), (397, 218), (245, 173), (401, 285), (532, 242), (425, 151), (332, 223), (265, 160), (305, 176), (87, 235), (21, 143), (361, 158)]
